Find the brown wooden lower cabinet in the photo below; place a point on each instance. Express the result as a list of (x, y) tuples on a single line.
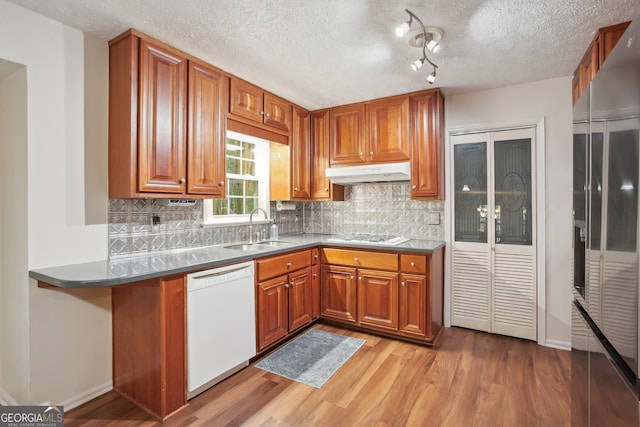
[(149, 344), (403, 297), (284, 303)]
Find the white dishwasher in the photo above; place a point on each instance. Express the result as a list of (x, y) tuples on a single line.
[(221, 325)]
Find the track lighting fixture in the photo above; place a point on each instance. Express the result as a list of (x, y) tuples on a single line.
[(427, 38)]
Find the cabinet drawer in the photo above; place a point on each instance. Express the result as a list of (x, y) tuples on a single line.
[(355, 258), (282, 264), (413, 264)]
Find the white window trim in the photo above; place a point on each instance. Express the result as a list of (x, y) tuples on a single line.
[(262, 172)]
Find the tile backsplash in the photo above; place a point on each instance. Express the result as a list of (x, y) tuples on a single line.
[(377, 209), (368, 208)]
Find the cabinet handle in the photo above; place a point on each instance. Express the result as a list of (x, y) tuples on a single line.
[(370, 155), (289, 265), (315, 256), (182, 180), (295, 188), (401, 283), (267, 115), (413, 264), (262, 113), (221, 183), (360, 278), (286, 285), (291, 285), (356, 260), (315, 275), (326, 190), (361, 154), (414, 186), (352, 277)]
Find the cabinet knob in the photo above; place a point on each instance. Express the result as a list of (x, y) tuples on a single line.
[(295, 188), (286, 285), (315, 256), (414, 186), (326, 190), (267, 115), (289, 265), (291, 285), (360, 278), (315, 275), (221, 183), (356, 260), (413, 264), (361, 154), (352, 277), (262, 113), (182, 180), (401, 283)]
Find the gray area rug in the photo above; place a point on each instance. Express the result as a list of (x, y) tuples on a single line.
[(312, 358)]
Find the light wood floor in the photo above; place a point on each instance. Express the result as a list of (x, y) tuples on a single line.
[(470, 379)]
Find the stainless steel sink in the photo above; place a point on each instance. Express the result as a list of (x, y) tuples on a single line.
[(259, 245), (246, 247), (275, 243)]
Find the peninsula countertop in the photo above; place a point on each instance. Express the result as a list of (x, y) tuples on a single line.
[(121, 270)]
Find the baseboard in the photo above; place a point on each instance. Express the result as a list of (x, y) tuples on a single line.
[(6, 399), (84, 397), (560, 345)]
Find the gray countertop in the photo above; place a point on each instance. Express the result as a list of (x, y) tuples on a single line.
[(119, 271)]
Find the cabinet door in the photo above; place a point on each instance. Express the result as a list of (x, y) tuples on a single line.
[(315, 292), (414, 305), (608, 38), (272, 311), (427, 124), (347, 135), (378, 299), (277, 112), (161, 116), (300, 299), (321, 186), (246, 100), (338, 293), (388, 126), (300, 156), (206, 166)]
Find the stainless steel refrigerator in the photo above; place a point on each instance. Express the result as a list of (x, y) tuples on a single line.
[(606, 159)]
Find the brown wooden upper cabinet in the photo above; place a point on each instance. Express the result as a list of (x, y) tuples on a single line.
[(321, 186), (166, 138), (599, 49), (427, 135), (300, 155), (370, 132), (252, 103)]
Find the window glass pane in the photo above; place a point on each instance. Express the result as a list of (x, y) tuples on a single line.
[(513, 192), (236, 187), (220, 206), (622, 199), (233, 165), (236, 206), (251, 189), (470, 182), (250, 204), (233, 147), (249, 167), (248, 150)]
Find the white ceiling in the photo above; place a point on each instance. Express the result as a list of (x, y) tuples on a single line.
[(322, 53)]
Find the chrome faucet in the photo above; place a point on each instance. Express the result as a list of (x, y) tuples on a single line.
[(251, 221)]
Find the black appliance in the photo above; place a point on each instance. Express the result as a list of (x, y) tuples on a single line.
[(606, 180)]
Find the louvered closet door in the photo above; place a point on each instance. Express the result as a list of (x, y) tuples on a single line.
[(494, 256)]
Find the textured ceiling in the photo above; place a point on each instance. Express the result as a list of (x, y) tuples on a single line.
[(322, 53)]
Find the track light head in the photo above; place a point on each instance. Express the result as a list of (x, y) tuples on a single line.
[(417, 64), (431, 77), (403, 28)]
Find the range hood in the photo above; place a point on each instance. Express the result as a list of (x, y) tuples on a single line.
[(369, 173)]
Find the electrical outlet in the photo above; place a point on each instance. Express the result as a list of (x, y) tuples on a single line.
[(155, 220)]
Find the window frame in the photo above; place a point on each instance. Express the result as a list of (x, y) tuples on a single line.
[(262, 147)]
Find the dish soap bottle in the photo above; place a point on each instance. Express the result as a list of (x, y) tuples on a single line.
[(274, 230)]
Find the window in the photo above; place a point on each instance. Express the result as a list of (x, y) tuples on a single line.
[(247, 181)]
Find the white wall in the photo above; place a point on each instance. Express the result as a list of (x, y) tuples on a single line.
[(69, 349), (551, 100)]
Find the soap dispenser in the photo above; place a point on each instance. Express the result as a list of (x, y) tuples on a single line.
[(274, 230)]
